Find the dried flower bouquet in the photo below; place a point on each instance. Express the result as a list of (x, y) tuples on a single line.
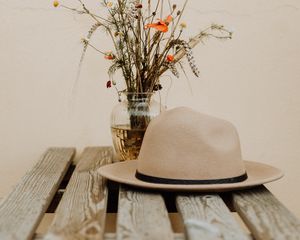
[(147, 39)]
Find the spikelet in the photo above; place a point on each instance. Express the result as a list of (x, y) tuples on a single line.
[(190, 58), (92, 30), (132, 10), (173, 69), (86, 40)]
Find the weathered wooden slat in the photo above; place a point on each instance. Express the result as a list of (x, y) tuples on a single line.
[(81, 211), (112, 236), (207, 217), (23, 208), (142, 216), (265, 216), (38, 237)]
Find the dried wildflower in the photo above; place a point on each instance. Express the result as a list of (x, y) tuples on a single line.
[(109, 4), (169, 19), (157, 87), (92, 30), (182, 25), (190, 58), (170, 58), (84, 41), (132, 10), (55, 3), (173, 69), (139, 5), (108, 84), (118, 34), (161, 25), (109, 56), (217, 26), (141, 55)]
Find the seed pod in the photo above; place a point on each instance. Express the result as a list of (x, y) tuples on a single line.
[(157, 87), (108, 84)]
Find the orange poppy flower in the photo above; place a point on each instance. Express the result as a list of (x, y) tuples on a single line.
[(170, 58), (161, 25)]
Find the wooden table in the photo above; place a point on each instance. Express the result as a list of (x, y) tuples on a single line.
[(83, 203)]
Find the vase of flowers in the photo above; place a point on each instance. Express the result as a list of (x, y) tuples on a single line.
[(129, 121), (147, 40)]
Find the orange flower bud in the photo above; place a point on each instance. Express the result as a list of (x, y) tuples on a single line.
[(169, 19), (109, 56), (170, 58)]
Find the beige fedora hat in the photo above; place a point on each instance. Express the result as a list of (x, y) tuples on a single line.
[(186, 150)]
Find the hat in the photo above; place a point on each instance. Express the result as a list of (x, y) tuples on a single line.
[(184, 150)]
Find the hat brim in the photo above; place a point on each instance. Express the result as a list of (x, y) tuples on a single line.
[(258, 174)]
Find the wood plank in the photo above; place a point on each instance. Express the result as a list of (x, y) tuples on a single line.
[(112, 236), (23, 208), (38, 236), (81, 211), (207, 217), (265, 216), (142, 216)]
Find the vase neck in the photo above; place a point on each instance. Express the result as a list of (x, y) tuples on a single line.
[(132, 96)]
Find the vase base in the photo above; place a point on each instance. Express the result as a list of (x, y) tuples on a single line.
[(127, 141)]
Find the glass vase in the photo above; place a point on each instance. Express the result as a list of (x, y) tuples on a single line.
[(129, 121)]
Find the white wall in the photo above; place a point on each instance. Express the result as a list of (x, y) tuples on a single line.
[(252, 80)]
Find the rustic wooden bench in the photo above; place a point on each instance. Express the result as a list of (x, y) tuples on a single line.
[(83, 206)]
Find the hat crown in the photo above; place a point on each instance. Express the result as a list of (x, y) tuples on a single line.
[(184, 144)]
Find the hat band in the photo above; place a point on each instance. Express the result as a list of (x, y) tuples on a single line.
[(151, 179)]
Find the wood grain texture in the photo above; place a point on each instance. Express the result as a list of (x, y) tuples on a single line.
[(81, 211), (142, 216), (207, 217), (112, 236), (23, 208), (265, 216)]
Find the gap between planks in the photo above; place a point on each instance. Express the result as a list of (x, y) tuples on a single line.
[(265, 216), (81, 211), (142, 216), (206, 216), (27, 202)]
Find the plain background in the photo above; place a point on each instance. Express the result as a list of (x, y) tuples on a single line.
[(252, 81)]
